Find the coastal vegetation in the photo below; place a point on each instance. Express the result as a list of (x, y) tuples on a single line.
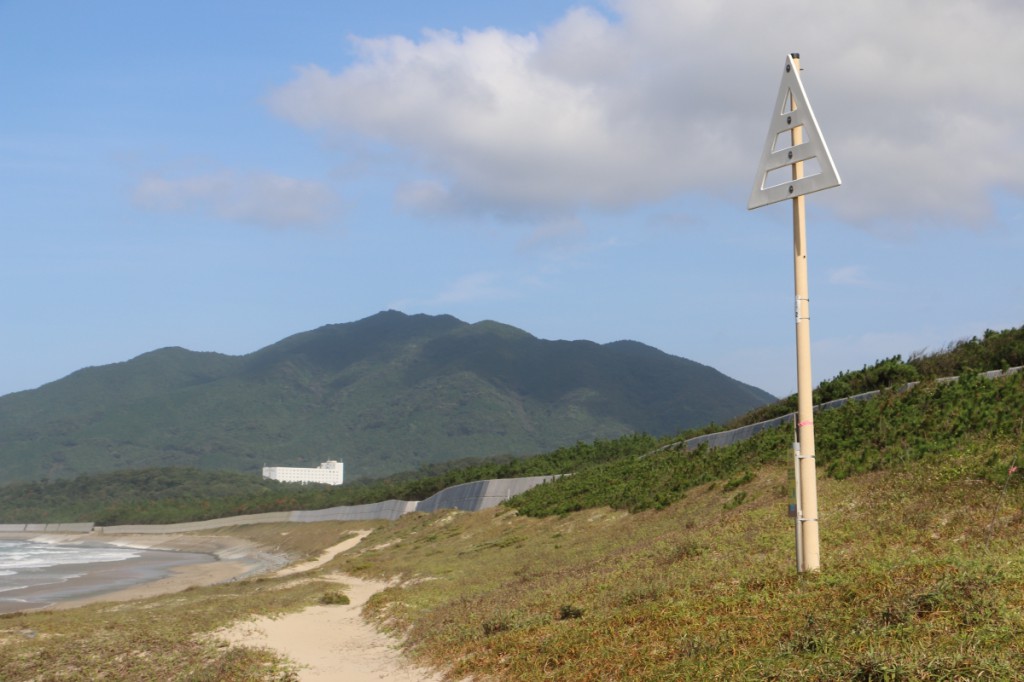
[(993, 350), (896, 427), (921, 579), (653, 563)]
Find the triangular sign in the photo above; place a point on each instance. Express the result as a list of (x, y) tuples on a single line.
[(791, 110)]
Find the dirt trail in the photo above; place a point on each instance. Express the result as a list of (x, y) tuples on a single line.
[(333, 642), (325, 556)]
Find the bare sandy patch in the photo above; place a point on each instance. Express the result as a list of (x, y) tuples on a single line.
[(325, 556), (333, 642)]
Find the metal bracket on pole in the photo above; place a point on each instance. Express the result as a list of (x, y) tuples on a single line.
[(808, 302), (799, 506)]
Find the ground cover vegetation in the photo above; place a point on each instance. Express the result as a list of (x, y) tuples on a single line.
[(922, 568), (862, 436), (991, 351), (651, 563), (921, 580)]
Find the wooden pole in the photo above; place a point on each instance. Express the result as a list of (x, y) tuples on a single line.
[(807, 479)]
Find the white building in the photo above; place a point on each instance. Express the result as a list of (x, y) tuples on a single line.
[(330, 472)]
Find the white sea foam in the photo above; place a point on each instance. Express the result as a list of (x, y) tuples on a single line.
[(44, 573), (25, 564), (17, 555)]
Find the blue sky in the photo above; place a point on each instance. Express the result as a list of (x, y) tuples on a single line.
[(220, 175)]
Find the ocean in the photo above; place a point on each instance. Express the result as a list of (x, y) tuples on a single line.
[(36, 574)]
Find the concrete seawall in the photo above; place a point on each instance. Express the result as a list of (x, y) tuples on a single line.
[(466, 497), (46, 527)]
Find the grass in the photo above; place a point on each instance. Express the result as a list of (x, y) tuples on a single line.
[(921, 580), (166, 638)]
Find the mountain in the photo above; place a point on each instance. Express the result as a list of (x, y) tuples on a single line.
[(385, 394)]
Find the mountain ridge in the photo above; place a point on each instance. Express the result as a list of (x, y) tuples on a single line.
[(387, 393)]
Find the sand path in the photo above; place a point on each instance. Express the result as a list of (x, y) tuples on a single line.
[(333, 643), (326, 555)]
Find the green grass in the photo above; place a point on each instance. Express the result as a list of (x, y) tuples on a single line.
[(921, 579)]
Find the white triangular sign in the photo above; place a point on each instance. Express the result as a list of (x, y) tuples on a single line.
[(792, 109)]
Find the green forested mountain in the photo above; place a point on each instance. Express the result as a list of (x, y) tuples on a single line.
[(385, 394)]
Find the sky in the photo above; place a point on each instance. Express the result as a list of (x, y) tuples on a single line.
[(221, 175)]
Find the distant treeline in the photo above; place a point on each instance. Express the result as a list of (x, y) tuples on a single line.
[(175, 495)]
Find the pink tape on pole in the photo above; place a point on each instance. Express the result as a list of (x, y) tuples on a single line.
[(806, 423)]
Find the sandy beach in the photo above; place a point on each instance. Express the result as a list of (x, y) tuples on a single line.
[(328, 642), (169, 563)]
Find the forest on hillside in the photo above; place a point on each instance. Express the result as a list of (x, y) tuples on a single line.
[(633, 472)]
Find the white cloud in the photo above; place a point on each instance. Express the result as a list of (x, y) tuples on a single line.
[(427, 196), (920, 104), (845, 353), (473, 287), (852, 275), (555, 234), (260, 199), (468, 289)]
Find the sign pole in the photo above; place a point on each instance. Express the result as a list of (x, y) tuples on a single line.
[(793, 114), (807, 480)]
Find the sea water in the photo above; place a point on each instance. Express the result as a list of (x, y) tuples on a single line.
[(34, 574)]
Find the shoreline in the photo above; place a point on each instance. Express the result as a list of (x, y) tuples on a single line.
[(327, 642), (169, 563)]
